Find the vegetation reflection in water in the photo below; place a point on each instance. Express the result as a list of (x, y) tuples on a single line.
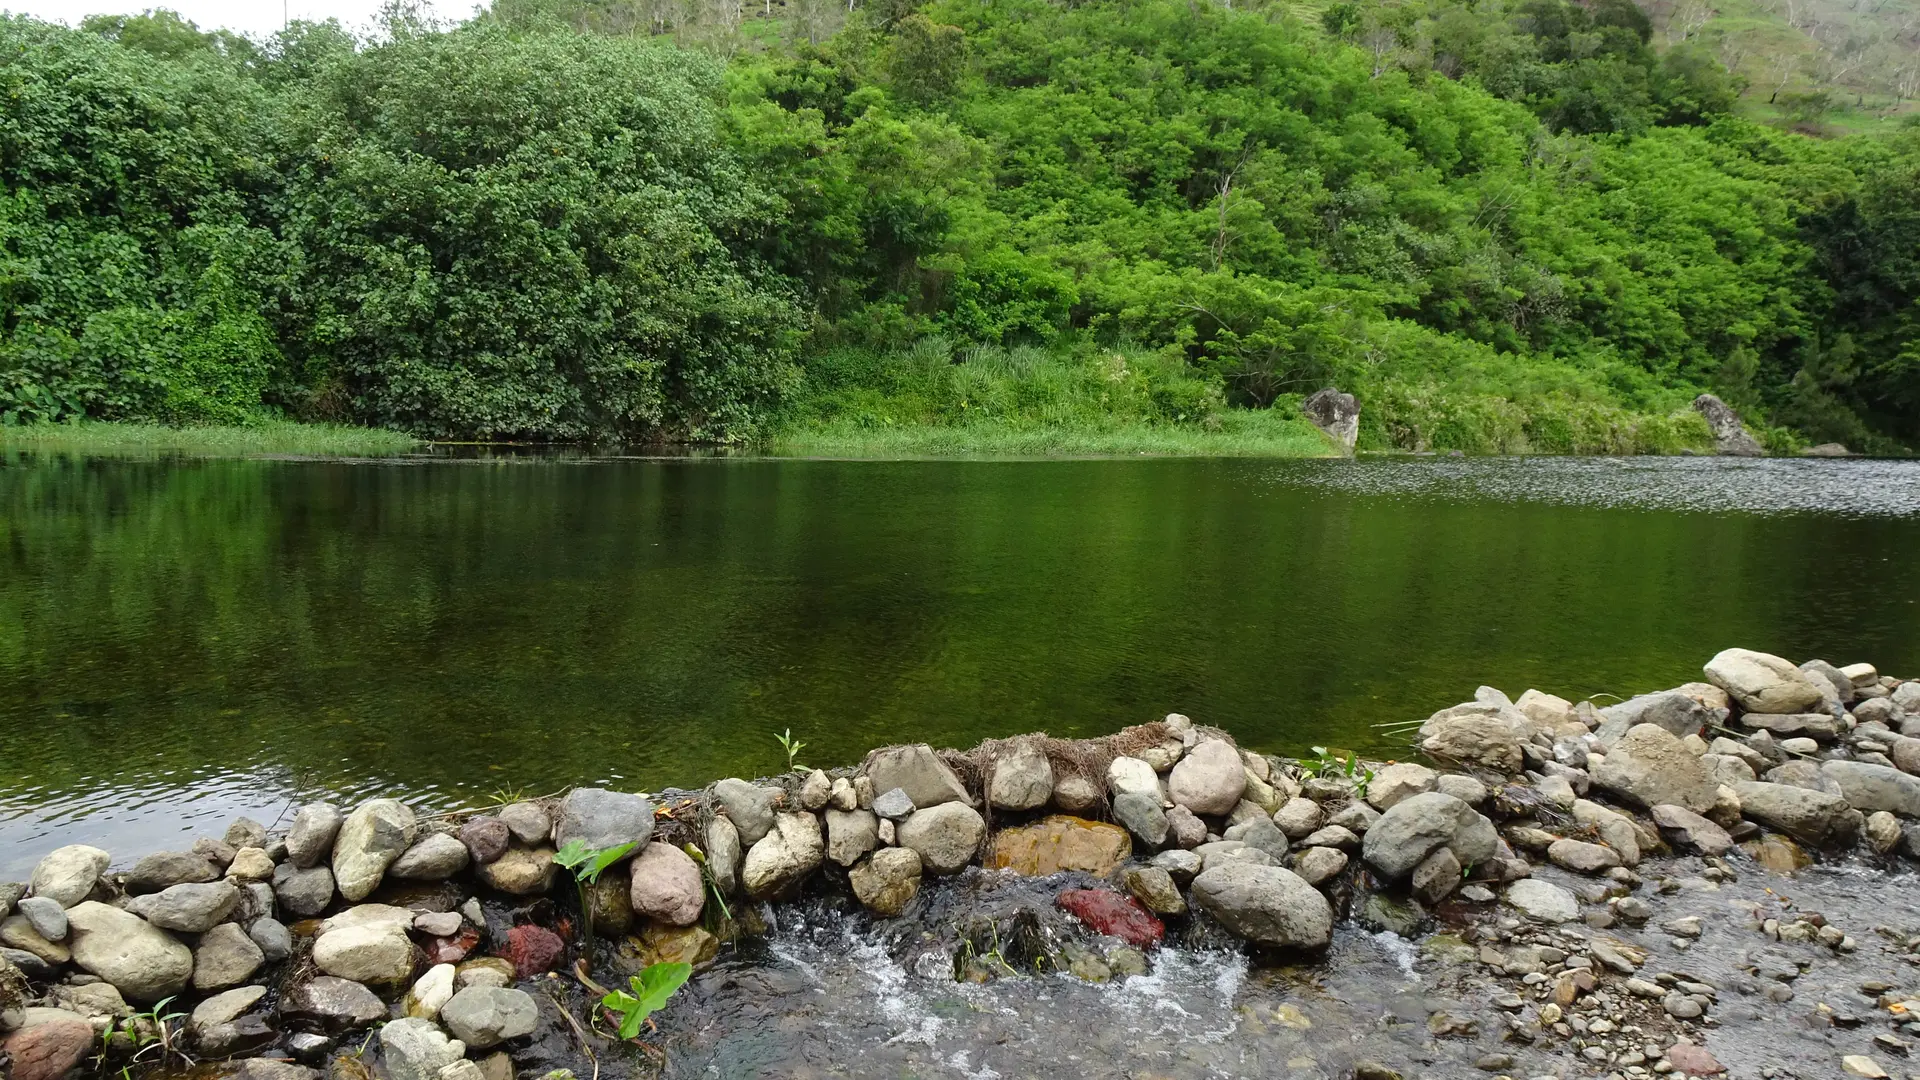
[(181, 640)]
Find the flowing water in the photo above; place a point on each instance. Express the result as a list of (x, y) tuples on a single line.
[(182, 641)]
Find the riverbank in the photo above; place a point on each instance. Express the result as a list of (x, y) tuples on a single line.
[(276, 437), (1565, 874), (1237, 433)]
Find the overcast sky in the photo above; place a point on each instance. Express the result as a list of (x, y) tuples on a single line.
[(246, 16)]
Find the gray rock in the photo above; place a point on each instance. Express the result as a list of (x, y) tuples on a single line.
[(1142, 816), (245, 833), (435, 857), (894, 804), (1582, 857), (1336, 414), (723, 854), (1436, 877), (10, 894), (749, 806), (1131, 775), (1677, 713), (304, 893), (945, 836), (438, 923), (1392, 915), (224, 1008), (1477, 735), (414, 1049), (1730, 437), (1418, 825), (47, 917), (1906, 696), (1319, 864), (1688, 829), (1883, 831), (366, 953), (17, 933), (851, 835), (66, 875), (1183, 865), (1616, 830), (1649, 766), (1802, 774), (225, 957), (521, 872), (1022, 778), (1396, 782), (1154, 887), (1542, 901), (1186, 830), (1875, 787), (1209, 779), (1264, 904), (815, 790), (272, 937), (273, 1069), (1820, 726), (371, 838), (193, 908), (165, 869), (1761, 682), (1356, 817), (783, 858), (310, 838), (916, 769), (528, 822), (138, 958), (666, 885), (1333, 836), (1465, 788), (1075, 794), (1842, 684), (30, 965), (486, 838), (485, 1016), (603, 819), (1812, 817), (887, 881), (334, 1004), (1298, 817), (1262, 833)]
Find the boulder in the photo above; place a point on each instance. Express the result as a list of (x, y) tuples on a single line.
[(217, 1027), (310, 838), (334, 1005), (1582, 857), (1677, 712), (485, 1016), (165, 869), (1688, 829), (1813, 817), (1298, 817), (1337, 415), (370, 839), (18, 934), (1883, 831), (486, 838), (48, 1051), (1075, 794), (1209, 779), (815, 790), (1132, 776), (1262, 833), (1319, 864), (887, 881), (1821, 726), (1730, 437), (435, 857), (141, 961), (1906, 696), (430, 992), (250, 864), (1473, 740), (894, 804), (414, 1049), (1394, 783), (603, 819), (1418, 825), (851, 834), (918, 771), (225, 956), (1264, 904), (667, 885), (1649, 766), (66, 875), (521, 872), (1185, 828), (1761, 682), (1542, 901), (1142, 816), (1616, 830), (46, 916), (749, 806), (1022, 778), (1436, 877), (784, 857), (1059, 843), (1547, 711), (528, 822), (304, 893), (367, 953), (1875, 787), (193, 908), (723, 855), (273, 938), (945, 835)]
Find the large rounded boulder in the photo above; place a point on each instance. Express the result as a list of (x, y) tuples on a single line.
[(142, 961), (1265, 904)]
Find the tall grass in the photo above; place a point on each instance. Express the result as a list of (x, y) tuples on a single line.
[(156, 440)]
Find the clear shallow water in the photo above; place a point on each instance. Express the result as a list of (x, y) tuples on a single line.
[(184, 641)]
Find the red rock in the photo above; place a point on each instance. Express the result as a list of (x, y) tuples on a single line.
[(49, 1051), (1693, 1060), (452, 949), (533, 950), (1114, 915)]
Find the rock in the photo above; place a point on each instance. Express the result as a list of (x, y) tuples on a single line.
[(430, 992), (1722, 769), (138, 958), (611, 899), (1436, 877), (842, 795), (336, 1005), (1209, 780), (1883, 831), (528, 822), (1777, 853), (46, 916), (48, 1051), (1791, 725), (1265, 904), (1386, 913), (1316, 865), (214, 851), (667, 885), (815, 790), (1182, 865), (946, 836), (370, 839), (1406, 834), (304, 893), (378, 953), (663, 944), (436, 857), (212, 1022), (1813, 817), (1557, 790), (273, 1069), (520, 871), (1862, 1065), (1617, 831), (1059, 843), (1333, 836), (1649, 766), (1906, 696), (66, 875), (225, 957), (1730, 437), (1337, 415), (723, 855), (1761, 682), (1841, 683), (1581, 857), (1186, 830), (918, 771), (1875, 787), (1684, 827), (888, 881), (1465, 788), (250, 865), (1131, 776), (534, 950), (272, 937), (1400, 781), (310, 838), (191, 909), (1861, 675), (165, 869), (1802, 774), (486, 838), (1542, 901), (1681, 1007), (464, 1070), (414, 1049), (1142, 816), (1107, 912), (1154, 888), (749, 806), (1546, 711), (1022, 778), (851, 834), (784, 857), (603, 819), (1678, 713), (1298, 817), (484, 1016), (1473, 740), (1075, 794), (19, 934), (894, 805)]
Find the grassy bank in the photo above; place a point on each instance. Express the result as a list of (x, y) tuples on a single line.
[(156, 440), (1238, 433)]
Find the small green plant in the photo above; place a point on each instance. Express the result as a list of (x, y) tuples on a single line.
[(150, 1030), (1325, 763), (586, 864), (651, 990), (793, 747), (508, 794)]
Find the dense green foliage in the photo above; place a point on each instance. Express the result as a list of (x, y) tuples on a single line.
[(1504, 226)]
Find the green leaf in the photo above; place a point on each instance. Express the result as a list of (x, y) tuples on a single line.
[(608, 857), (657, 983), (573, 853)]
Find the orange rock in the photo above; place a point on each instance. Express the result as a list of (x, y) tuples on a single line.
[(1058, 843)]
